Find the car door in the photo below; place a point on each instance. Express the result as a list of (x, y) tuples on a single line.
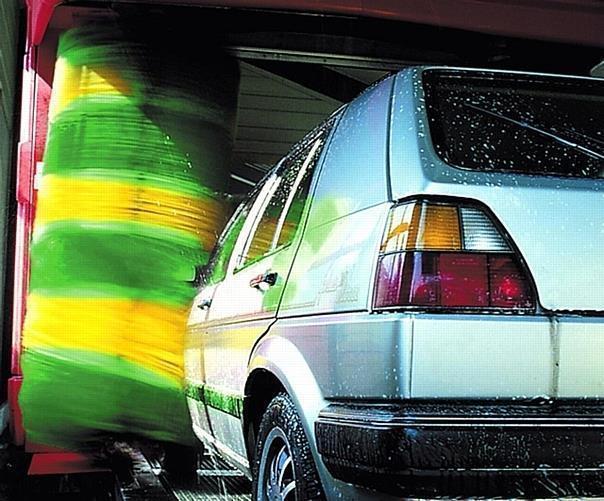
[(245, 302), (213, 275)]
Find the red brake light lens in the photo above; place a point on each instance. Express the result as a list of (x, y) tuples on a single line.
[(477, 271), (509, 286)]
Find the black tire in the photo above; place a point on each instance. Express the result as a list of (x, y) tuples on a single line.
[(282, 448)]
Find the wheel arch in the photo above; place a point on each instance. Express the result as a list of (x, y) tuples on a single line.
[(260, 388), (276, 365)]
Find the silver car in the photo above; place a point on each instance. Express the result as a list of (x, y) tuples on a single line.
[(414, 293)]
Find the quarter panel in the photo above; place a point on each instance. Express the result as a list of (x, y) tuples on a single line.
[(355, 166), (280, 356), (354, 355), (333, 269)]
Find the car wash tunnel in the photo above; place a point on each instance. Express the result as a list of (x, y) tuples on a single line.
[(130, 132)]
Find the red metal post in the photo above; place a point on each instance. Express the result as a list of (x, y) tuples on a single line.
[(32, 138)]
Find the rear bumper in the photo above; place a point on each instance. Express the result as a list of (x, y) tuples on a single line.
[(396, 447)]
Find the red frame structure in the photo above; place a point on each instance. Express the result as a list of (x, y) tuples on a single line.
[(34, 114), (567, 21)]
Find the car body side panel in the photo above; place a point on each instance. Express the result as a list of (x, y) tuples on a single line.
[(238, 316), (227, 350), (240, 312), (276, 354), (226, 321), (337, 256), (227, 430), (224, 357)]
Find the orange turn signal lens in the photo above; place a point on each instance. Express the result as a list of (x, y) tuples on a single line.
[(422, 226)]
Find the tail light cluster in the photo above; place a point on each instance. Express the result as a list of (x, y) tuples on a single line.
[(444, 255)]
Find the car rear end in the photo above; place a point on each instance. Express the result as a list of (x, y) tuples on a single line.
[(491, 268)]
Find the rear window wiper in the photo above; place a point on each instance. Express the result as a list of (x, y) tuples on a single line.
[(570, 133), (551, 135)]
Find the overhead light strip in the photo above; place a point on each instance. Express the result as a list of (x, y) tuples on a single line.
[(268, 54)]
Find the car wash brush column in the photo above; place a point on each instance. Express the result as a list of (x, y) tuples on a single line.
[(137, 157)]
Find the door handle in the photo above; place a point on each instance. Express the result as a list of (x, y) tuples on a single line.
[(204, 304), (269, 278)]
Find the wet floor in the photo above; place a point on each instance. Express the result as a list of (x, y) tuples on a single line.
[(215, 481)]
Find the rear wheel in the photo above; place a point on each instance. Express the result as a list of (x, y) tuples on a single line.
[(284, 469)]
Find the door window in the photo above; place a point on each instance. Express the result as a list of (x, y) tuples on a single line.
[(221, 257), (283, 207), (219, 261)]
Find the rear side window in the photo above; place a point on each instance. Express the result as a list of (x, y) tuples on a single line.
[(517, 123)]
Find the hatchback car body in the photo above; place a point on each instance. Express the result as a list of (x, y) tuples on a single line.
[(414, 291)]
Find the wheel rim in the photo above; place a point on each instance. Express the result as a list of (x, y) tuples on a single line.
[(276, 476)]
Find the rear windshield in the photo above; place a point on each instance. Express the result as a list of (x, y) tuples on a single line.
[(517, 123)]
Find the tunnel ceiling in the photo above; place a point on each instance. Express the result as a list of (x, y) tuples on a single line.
[(296, 69)]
